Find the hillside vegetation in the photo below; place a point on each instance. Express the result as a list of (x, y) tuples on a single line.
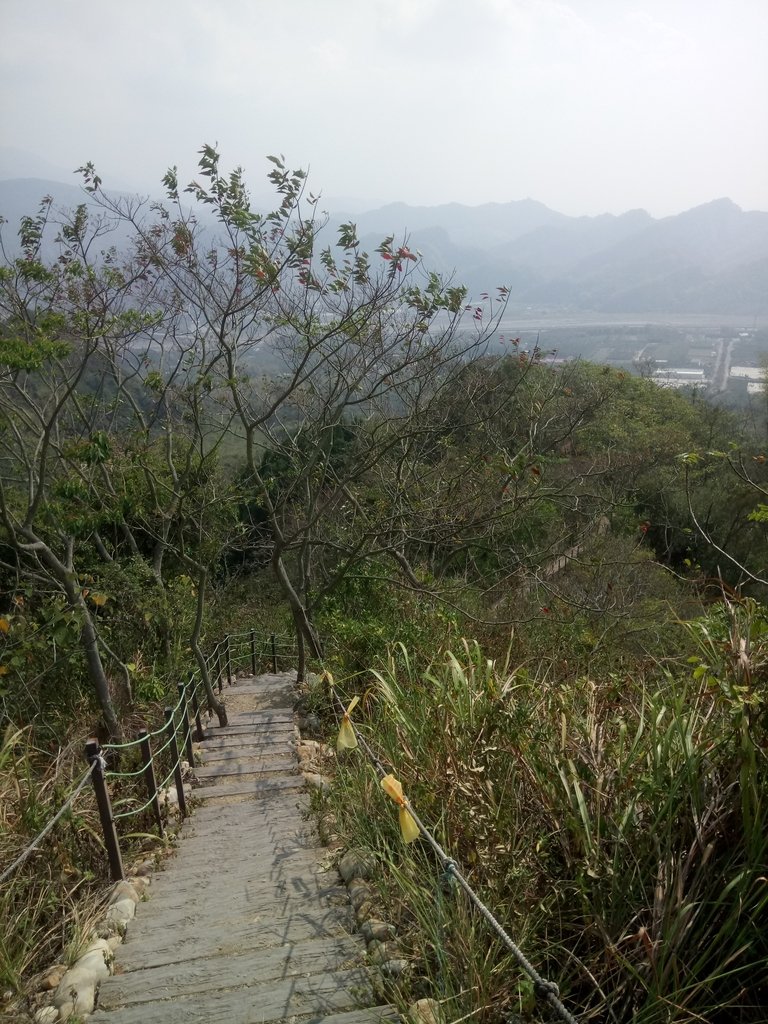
[(556, 573)]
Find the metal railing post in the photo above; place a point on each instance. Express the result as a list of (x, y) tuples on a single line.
[(228, 656), (219, 672), (149, 778), (253, 652), (93, 754), (182, 688), (274, 652), (172, 746)]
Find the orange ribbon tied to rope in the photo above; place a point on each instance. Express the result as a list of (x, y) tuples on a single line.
[(347, 739), (408, 827)]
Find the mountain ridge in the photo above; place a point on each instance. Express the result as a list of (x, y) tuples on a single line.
[(710, 258)]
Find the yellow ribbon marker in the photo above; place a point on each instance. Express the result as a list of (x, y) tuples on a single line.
[(408, 827), (347, 739)]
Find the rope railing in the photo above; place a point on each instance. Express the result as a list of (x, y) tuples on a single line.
[(543, 989), (134, 743), (182, 723), (31, 847)]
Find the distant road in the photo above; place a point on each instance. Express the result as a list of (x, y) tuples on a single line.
[(542, 321), (722, 365)]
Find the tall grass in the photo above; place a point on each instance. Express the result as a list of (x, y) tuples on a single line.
[(53, 895), (618, 825)]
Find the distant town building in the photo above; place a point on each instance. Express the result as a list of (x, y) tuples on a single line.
[(679, 377)]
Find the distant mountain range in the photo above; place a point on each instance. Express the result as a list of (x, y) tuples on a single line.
[(711, 259)]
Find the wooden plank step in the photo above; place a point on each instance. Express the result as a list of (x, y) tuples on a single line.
[(180, 907), (225, 970), (259, 867), (233, 730), (266, 751), (223, 750), (246, 896), (250, 750), (259, 732), (237, 767), (253, 742), (281, 818), (260, 790), (272, 717), (261, 855), (250, 1004), (282, 751), (370, 1015), (273, 756), (248, 738), (164, 946), (278, 844)]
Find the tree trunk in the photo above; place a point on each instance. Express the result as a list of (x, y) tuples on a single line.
[(301, 668), (214, 704), (67, 580), (96, 673), (304, 627)]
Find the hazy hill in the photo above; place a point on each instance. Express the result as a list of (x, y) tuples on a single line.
[(710, 259), (482, 227)]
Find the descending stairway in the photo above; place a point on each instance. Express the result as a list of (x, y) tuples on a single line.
[(247, 923)]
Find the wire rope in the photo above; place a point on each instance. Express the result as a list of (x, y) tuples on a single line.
[(42, 834), (544, 989)]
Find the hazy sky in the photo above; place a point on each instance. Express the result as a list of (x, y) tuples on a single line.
[(586, 105)]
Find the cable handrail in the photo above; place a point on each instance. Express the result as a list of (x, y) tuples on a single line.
[(544, 989), (150, 735), (162, 785), (110, 774), (182, 729), (44, 832)]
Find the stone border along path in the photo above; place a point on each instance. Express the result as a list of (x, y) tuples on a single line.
[(247, 923)]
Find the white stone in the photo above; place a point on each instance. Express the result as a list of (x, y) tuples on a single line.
[(52, 977), (97, 959), (359, 893), (108, 929), (426, 1011), (76, 992), (120, 913), (94, 965), (124, 890), (377, 931), (309, 748), (394, 968), (382, 952), (46, 1015), (356, 864), (364, 911), (317, 781)]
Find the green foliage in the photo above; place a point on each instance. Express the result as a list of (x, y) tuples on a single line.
[(65, 877), (23, 354), (366, 614), (190, 408), (601, 818)]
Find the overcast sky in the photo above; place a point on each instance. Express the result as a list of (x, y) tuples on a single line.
[(587, 105)]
